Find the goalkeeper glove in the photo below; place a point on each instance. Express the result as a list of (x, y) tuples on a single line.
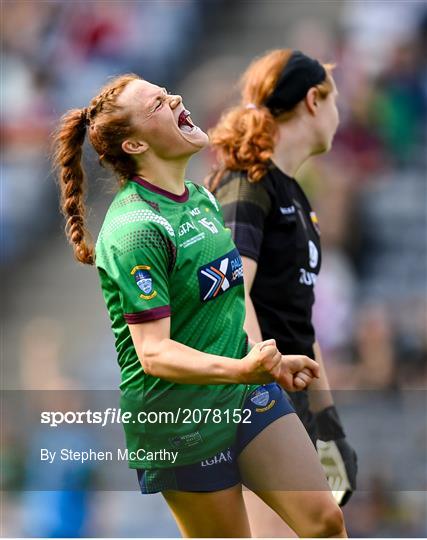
[(337, 457)]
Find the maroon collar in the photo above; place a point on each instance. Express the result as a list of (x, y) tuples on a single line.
[(155, 189)]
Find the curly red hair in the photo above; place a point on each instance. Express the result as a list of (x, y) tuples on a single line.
[(244, 137)]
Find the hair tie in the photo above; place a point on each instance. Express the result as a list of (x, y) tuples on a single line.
[(250, 106), (299, 74)]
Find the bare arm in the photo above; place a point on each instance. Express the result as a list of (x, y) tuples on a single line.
[(163, 357), (251, 321), (319, 392), (303, 378), (167, 359)]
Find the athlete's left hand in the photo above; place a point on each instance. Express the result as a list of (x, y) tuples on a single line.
[(338, 458), (295, 372)]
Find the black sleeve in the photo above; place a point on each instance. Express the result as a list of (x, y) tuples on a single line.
[(245, 207)]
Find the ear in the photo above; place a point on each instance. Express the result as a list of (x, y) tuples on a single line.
[(134, 147), (312, 100)]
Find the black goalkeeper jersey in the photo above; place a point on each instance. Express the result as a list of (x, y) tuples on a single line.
[(273, 223)]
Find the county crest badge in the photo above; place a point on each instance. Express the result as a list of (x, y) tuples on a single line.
[(144, 280), (260, 397)]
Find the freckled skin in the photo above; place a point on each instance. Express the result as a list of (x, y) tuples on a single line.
[(155, 114)]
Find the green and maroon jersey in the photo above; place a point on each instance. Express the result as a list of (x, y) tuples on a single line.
[(162, 255)]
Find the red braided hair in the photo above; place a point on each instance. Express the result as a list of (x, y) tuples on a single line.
[(108, 126)]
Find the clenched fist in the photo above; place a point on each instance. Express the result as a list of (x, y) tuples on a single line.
[(264, 364)]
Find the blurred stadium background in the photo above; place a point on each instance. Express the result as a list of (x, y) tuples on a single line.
[(370, 194)]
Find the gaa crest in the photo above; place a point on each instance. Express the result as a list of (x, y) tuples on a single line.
[(144, 281)]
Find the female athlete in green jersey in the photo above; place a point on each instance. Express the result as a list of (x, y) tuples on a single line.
[(172, 281)]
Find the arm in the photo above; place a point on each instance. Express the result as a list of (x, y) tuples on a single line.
[(337, 457), (251, 321), (165, 358), (301, 378), (319, 392)]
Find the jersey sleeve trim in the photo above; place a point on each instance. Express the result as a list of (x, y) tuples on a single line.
[(148, 315), (250, 254)]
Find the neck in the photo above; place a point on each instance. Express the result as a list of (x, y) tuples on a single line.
[(292, 147), (168, 175)]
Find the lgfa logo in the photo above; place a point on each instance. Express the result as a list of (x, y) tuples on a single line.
[(221, 457)]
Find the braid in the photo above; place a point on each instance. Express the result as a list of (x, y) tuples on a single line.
[(109, 124), (68, 143)]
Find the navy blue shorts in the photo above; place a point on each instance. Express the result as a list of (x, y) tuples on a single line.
[(267, 403)]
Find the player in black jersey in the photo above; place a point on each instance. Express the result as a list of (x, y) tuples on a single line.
[(287, 114)]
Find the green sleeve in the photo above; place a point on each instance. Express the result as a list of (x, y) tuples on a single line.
[(141, 267)]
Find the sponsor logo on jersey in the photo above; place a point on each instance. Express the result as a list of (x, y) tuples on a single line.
[(186, 227), (221, 457), (190, 439), (261, 398), (313, 254), (192, 240), (220, 275), (307, 278), (287, 210), (195, 211), (144, 280), (210, 225)]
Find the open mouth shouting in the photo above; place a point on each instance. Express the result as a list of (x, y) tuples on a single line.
[(185, 123), (189, 131)]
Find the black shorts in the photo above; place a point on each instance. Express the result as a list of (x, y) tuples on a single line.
[(301, 405), (267, 403)]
